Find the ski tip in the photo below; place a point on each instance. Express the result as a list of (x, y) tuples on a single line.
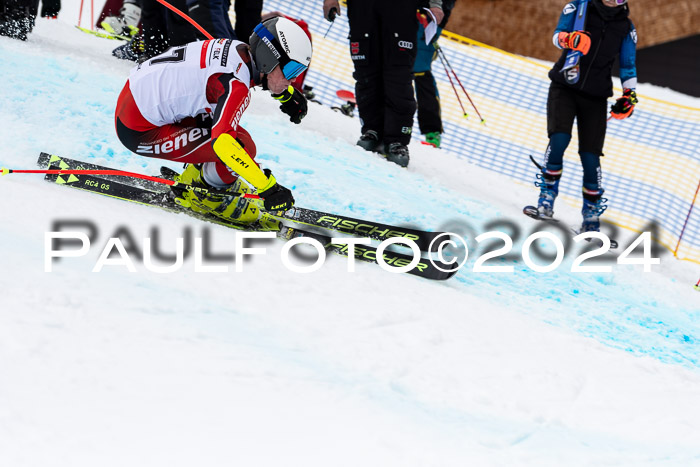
[(347, 96)]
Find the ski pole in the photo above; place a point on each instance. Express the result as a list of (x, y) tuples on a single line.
[(123, 173), (331, 16), (440, 52), (464, 112), (80, 14), (687, 218), (190, 20)]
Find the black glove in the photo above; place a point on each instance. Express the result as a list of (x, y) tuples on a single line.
[(332, 14), (293, 103), (275, 196)]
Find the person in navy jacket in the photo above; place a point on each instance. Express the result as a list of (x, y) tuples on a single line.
[(581, 93)]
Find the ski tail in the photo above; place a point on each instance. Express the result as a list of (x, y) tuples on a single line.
[(571, 69)]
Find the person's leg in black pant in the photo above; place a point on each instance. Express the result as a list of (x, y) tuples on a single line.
[(153, 27), (366, 54), (179, 30), (399, 31), (248, 14)]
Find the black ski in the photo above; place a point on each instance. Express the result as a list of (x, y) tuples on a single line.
[(362, 228), (108, 186), (344, 224)]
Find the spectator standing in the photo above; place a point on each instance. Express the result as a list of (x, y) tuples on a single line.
[(383, 50), (427, 95), (608, 33)]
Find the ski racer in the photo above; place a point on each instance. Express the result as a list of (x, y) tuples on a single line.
[(581, 93), (186, 104)]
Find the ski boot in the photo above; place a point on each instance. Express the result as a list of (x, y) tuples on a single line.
[(346, 109), (369, 141), (244, 212), (398, 154), (593, 207), (433, 138), (126, 24), (132, 50), (309, 93), (549, 189)]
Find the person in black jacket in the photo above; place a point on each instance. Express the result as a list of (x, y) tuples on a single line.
[(581, 93), (383, 49)]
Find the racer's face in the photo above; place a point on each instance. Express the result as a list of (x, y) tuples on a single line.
[(276, 80)]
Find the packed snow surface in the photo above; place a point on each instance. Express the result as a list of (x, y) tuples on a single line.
[(269, 367)]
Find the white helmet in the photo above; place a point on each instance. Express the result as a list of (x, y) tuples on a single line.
[(280, 41)]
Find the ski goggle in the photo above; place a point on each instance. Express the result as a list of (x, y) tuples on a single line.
[(620, 2), (290, 68), (293, 69)]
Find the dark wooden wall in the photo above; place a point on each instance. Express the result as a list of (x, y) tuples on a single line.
[(525, 27)]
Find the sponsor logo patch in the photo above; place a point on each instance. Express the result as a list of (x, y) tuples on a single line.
[(271, 47), (283, 40), (174, 142), (239, 113), (569, 8), (224, 54)]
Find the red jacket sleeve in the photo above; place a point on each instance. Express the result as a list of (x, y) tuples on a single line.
[(232, 97)]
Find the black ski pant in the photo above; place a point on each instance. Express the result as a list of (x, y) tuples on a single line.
[(248, 13), (212, 15), (50, 8), (383, 49), (429, 118), (427, 95), (162, 28), (17, 18), (563, 106)]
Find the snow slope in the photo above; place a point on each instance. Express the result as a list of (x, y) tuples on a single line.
[(269, 367)]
